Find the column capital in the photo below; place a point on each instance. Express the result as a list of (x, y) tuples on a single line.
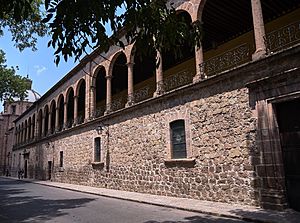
[(130, 64), (108, 77)]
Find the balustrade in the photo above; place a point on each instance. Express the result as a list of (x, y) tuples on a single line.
[(283, 37)]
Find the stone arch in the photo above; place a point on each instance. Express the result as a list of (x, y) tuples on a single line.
[(190, 8), (26, 129), (95, 73), (119, 82), (22, 132), (129, 52), (70, 89), (99, 90), (60, 107), (46, 121), (53, 115), (40, 121), (18, 134), (81, 96), (113, 60), (144, 70), (70, 106), (77, 85), (187, 49), (33, 126), (29, 128), (199, 10)]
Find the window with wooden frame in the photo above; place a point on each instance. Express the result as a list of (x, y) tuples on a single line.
[(178, 139), (97, 149), (61, 159)]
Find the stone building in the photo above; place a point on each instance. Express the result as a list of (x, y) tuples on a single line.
[(218, 123), (12, 110)]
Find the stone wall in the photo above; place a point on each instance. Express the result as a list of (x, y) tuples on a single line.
[(225, 159), (221, 132)]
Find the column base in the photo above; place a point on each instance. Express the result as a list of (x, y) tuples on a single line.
[(199, 77), (107, 112), (129, 103), (259, 54), (158, 93)]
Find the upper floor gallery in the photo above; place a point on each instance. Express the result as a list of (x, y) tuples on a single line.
[(234, 33)]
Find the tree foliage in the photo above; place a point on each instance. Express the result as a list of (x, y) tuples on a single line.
[(11, 85), (77, 25), (23, 19)]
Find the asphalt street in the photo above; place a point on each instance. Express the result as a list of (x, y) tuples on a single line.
[(28, 202)]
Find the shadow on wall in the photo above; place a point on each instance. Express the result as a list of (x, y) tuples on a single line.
[(16, 206)]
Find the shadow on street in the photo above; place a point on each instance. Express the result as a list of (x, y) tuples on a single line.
[(201, 219), (17, 206)]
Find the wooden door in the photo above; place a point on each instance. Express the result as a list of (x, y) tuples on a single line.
[(288, 117)]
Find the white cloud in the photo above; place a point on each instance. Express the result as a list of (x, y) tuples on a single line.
[(39, 69)]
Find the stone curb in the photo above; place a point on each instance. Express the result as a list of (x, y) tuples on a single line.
[(243, 218)]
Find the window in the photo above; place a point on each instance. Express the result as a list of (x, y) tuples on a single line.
[(13, 109), (97, 150), (178, 142), (61, 159)]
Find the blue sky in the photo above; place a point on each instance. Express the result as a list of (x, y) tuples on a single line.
[(39, 65)]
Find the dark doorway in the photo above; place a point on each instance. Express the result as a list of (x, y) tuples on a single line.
[(289, 128), (49, 170), (25, 168)]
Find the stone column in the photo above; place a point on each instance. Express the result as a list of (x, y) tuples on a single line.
[(92, 102), (17, 137), (65, 115), (259, 30), (23, 134), (130, 98), (108, 94), (57, 119), (75, 110), (159, 76), (28, 132), (43, 125), (32, 130), (87, 99), (49, 122), (199, 64)]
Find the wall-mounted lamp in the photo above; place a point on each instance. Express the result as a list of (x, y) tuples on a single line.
[(101, 127)]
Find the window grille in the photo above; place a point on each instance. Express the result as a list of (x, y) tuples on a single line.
[(97, 150), (178, 141)]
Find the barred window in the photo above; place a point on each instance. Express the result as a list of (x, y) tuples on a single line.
[(61, 159), (97, 150), (178, 142)]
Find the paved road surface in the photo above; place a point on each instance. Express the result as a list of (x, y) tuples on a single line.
[(28, 202)]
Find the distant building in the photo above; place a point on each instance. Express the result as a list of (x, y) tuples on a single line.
[(12, 110), (219, 123)]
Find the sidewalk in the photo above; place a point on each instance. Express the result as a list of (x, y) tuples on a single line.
[(243, 212)]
